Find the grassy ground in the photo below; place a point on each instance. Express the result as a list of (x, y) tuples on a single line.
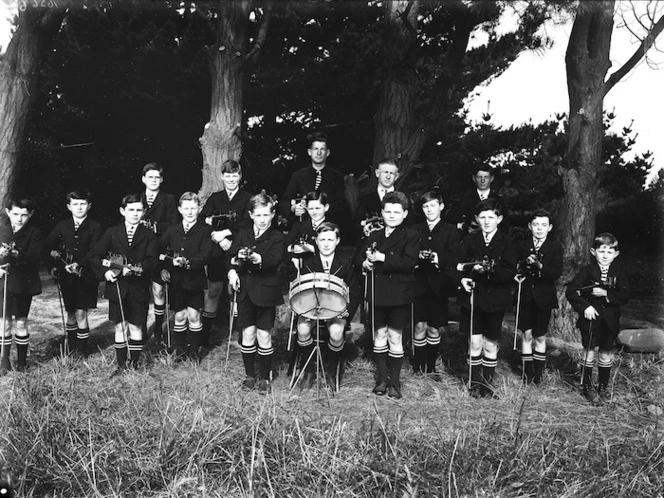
[(184, 430)]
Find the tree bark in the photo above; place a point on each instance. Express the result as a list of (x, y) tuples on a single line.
[(19, 72)]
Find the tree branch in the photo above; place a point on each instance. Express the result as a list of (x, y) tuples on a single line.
[(262, 34)]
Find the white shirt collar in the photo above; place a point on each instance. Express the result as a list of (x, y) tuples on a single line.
[(483, 194), (130, 227), (382, 191), (432, 224), (389, 231), (488, 237), (231, 193)]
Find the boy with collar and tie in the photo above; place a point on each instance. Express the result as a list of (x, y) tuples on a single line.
[(487, 282), (439, 242), (371, 203), (21, 248), (254, 259), (301, 240), (134, 247), (68, 245), (390, 255), (596, 293), (190, 247), (483, 178), (233, 202), (160, 212), (540, 265), (325, 260)]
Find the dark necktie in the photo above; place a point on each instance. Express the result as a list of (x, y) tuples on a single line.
[(130, 234), (319, 179)]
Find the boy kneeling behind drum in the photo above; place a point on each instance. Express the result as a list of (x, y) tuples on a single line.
[(325, 261)]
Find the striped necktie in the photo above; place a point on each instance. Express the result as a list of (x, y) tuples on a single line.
[(319, 179), (149, 199), (487, 240), (130, 234), (605, 273)]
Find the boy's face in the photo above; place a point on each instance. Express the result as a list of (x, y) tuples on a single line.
[(432, 209), (488, 221), (231, 180), (327, 242), (317, 210), (605, 254), (540, 227), (483, 180), (132, 212), (18, 217), (189, 210), (387, 174), (152, 180), (79, 208), (394, 214), (318, 152), (262, 217)]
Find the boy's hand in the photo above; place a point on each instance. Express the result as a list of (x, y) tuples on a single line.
[(256, 258), (467, 284), (533, 261), (599, 292), (179, 261), (3, 272), (219, 235), (110, 276), (72, 268), (4, 250), (367, 265), (225, 244), (375, 256), (165, 275), (590, 313), (126, 271), (434, 258), (298, 208), (233, 280)]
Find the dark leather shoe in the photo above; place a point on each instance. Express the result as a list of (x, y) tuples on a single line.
[(248, 384), (380, 389), (394, 392)]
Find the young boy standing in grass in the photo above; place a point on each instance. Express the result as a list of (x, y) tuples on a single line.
[(487, 293), (21, 248), (253, 260), (190, 246), (390, 255), (125, 257), (68, 245), (540, 265), (596, 294)]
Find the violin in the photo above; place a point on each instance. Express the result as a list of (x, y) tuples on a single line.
[(426, 255), (486, 265), (118, 262), (9, 249), (372, 224), (220, 220), (609, 284), (172, 255), (151, 225), (529, 266), (67, 259)]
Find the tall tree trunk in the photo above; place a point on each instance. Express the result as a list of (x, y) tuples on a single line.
[(19, 71)]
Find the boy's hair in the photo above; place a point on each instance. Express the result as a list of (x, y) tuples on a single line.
[(606, 239), (152, 167), (21, 204), (489, 205), (431, 195), (328, 226), (261, 200), (318, 136), (540, 213), (80, 195), (484, 167), (189, 196), (231, 166), (316, 196), (396, 197), (131, 198), (391, 161)]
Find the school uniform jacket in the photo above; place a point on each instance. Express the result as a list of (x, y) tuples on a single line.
[(24, 268), (78, 243), (163, 210), (261, 283), (218, 203), (196, 246), (440, 280), (394, 282), (466, 213), (304, 230), (341, 267), (540, 289), (143, 251), (492, 290), (608, 307)]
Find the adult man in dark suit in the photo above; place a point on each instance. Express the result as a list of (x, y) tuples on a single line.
[(465, 214)]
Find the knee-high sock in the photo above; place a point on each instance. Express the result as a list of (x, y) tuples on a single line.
[(540, 365), (394, 363), (488, 368), (135, 348), (380, 356), (159, 313), (333, 358), (306, 347), (180, 338), (22, 343), (587, 372), (475, 363), (433, 343), (604, 373), (420, 346), (528, 368), (265, 362), (249, 358), (194, 336), (121, 354), (207, 319), (4, 361), (71, 329), (82, 337)]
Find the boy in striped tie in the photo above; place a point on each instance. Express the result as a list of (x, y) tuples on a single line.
[(596, 294)]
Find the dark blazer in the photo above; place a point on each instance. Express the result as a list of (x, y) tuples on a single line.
[(196, 246), (303, 181), (164, 210), (341, 267), (369, 205), (607, 307), (492, 290), (23, 276), (143, 251), (260, 283), (394, 279), (218, 203), (465, 213), (440, 280), (302, 229), (539, 288)]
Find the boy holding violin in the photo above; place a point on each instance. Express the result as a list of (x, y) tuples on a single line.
[(68, 245), (487, 259), (125, 258)]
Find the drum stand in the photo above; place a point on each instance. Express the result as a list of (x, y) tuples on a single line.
[(320, 369)]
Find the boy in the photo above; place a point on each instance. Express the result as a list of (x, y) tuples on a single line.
[(370, 203), (68, 245), (391, 255), (191, 247), (301, 239), (125, 257), (488, 284), (255, 255), (483, 177), (233, 202), (326, 261), (596, 294), (438, 244), (540, 265), (160, 213), (21, 247)]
